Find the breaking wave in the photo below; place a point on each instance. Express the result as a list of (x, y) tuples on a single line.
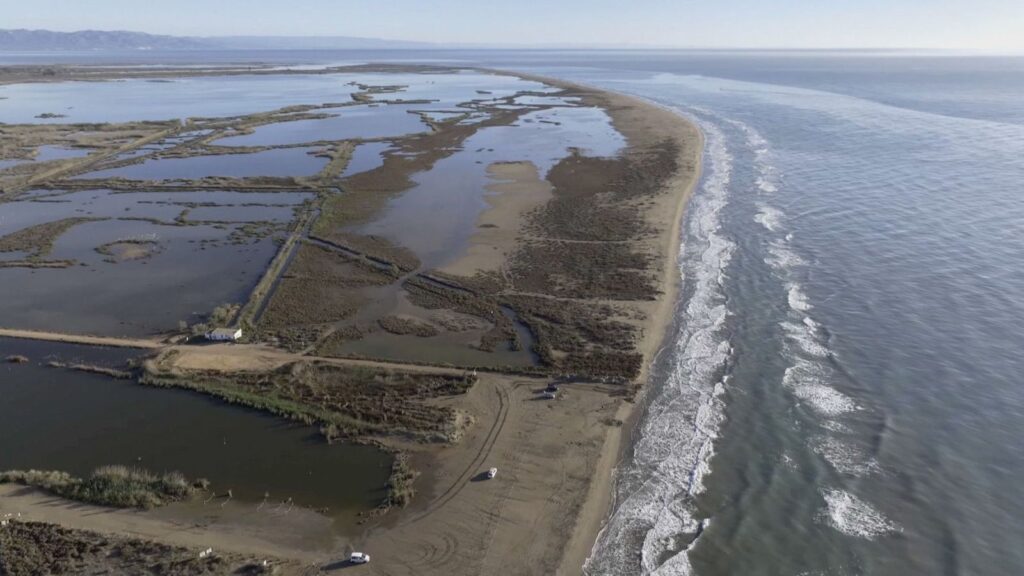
[(811, 371), (855, 517)]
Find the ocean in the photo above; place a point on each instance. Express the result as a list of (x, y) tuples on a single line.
[(842, 391)]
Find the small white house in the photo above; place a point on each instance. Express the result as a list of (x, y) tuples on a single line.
[(224, 334)]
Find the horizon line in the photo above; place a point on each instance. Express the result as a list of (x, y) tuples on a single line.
[(462, 45)]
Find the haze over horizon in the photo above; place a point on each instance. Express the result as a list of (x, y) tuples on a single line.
[(797, 24)]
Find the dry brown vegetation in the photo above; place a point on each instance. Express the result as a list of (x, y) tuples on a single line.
[(434, 296), (31, 548), (38, 240), (586, 253), (128, 250), (321, 286), (347, 402), (406, 326)]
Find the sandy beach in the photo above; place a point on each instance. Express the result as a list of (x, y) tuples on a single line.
[(592, 514)]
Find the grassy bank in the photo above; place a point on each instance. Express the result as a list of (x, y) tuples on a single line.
[(347, 403), (117, 486)]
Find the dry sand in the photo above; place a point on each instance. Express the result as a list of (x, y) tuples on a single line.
[(296, 535), (516, 189), (546, 452)]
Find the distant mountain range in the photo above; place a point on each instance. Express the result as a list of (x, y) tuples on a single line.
[(46, 40)]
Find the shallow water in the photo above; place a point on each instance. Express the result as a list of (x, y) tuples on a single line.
[(74, 421), (349, 122), (366, 157), (48, 153), (136, 100), (194, 268), (278, 162), (193, 271), (219, 96), (9, 163), (437, 217)]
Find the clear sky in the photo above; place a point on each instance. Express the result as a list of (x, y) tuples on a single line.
[(977, 24)]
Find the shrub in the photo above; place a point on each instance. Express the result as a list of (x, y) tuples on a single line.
[(118, 486)]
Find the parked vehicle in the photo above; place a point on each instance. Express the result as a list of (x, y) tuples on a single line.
[(549, 395), (492, 473), (359, 558)]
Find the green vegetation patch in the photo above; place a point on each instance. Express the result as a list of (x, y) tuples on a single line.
[(118, 486)]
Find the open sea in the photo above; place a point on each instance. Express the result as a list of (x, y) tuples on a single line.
[(843, 392)]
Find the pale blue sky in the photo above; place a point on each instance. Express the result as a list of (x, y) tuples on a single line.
[(982, 24)]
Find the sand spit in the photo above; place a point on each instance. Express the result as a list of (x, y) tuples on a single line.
[(583, 255)]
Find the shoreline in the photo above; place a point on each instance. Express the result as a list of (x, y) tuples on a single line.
[(599, 503)]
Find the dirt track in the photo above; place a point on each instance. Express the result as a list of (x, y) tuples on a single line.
[(81, 339)]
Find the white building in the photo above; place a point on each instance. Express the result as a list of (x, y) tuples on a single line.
[(225, 334)]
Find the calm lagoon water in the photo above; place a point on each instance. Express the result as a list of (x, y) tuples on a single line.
[(73, 421), (193, 269)]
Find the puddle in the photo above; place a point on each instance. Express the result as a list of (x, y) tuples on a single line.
[(457, 348), (73, 421)]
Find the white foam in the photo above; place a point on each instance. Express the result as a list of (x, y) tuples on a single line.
[(766, 184), (769, 217), (805, 338), (807, 381), (797, 298), (844, 457), (782, 258), (767, 175), (854, 517)]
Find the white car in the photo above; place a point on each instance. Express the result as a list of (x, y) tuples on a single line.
[(492, 473), (359, 558)]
